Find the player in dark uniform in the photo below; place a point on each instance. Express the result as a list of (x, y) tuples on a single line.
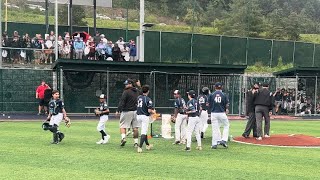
[(194, 123), (218, 105), (180, 118), (144, 109), (203, 111), (56, 114), (103, 112)]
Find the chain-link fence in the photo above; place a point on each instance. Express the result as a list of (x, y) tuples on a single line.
[(80, 88), (18, 89)]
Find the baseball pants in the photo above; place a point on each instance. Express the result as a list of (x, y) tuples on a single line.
[(102, 123), (194, 125), (251, 125), (128, 119), (262, 112), (180, 127), (144, 120), (218, 119), (56, 119), (204, 121)]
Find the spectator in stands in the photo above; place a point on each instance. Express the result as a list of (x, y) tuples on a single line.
[(66, 49), (16, 44), (92, 48), (48, 50), (116, 53), (37, 43), (27, 44), (133, 52), (97, 38), (104, 39), (120, 42), (109, 51), (5, 43), (125, 53), (40, 96), (52, 36), (79, 46), (101, 50), (60, 46)]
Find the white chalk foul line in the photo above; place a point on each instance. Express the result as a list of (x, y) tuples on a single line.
[(267, 145)]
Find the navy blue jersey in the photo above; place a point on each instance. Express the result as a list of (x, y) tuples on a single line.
[(103, 106), (192, 105), (56, 106), (218, 102), (203, 101), (180, 104), (144, 104)]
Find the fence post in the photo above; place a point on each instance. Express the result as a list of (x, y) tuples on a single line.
[(108, 86), (295, 108), (294, 52), (247, 51), (240, 94), (232, 93), (316, 94), (160, 41), (199, 82), (61, 82), (220, 50), (271, 53), (313, 55)]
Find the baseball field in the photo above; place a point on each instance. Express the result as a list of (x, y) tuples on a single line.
[(26, 153)]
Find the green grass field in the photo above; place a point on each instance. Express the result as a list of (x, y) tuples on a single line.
[(26, 153)]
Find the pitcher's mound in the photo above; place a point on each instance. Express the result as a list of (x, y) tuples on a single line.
[(289, 140)]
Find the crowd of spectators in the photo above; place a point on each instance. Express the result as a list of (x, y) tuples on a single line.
[(285, 102), (39, 50)]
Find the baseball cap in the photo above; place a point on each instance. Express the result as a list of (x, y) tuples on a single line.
[(192, 93), (265, 85), (176, 92), (128, 81), (218, 85), (102, 96)]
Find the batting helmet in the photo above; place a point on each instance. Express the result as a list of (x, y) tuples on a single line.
[(205, 90)]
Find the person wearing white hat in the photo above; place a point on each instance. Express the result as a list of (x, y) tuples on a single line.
[(102, 112)]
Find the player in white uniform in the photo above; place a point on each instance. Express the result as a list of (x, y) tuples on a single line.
[(218, 105), (102, 112), (203, 111), (180, 118), (194, 123)]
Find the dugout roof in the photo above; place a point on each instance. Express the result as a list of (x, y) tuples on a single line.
[(300, 71), (104, 66)]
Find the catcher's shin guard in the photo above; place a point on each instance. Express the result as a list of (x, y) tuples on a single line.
[(53, 128)]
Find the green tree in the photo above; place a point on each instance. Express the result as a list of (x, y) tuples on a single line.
[(78, 15)]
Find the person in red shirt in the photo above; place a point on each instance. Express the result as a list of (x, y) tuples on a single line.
[(40, 95)]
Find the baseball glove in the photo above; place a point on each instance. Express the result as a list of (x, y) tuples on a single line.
[(67, 121), (155, 116), (97, 112)]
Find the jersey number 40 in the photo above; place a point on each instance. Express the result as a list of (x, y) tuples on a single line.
[(217, 99)]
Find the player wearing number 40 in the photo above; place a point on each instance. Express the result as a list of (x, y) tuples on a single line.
[(218, 105)]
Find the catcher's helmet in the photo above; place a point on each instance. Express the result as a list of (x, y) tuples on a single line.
[(205, 90), (46, 126)]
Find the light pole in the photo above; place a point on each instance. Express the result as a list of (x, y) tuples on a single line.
[(142, 32)]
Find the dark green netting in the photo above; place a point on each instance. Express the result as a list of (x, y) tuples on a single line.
[(206, 49), (233, 50), (259, 51), (303, 54), (282, 50)]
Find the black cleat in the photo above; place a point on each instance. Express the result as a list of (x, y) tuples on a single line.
[(61, 136), (224, 144), (245, 136), (123, 142), (176, 143), (55, 142), (202, 135), (214, 147), (187, 149), (135, 145)]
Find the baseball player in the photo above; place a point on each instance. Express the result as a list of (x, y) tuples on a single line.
[(103, 112), (203, 111), (218, 105), (144, 109), (56, 114), (194, 122), (180, 118)]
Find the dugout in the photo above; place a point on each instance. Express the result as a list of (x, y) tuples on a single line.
[(305, 82), (80, 81)]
